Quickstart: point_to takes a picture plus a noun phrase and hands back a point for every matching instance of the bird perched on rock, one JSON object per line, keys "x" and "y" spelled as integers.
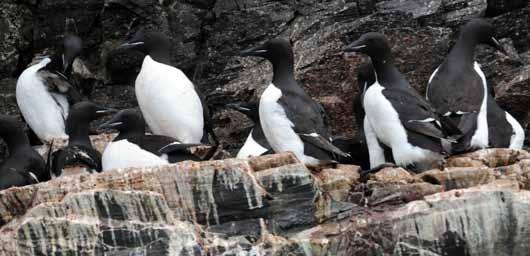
{"x": 24, "y": 165}
{"x": 79, "y": 151}
{"x": 44, "y": 94}
{"x": 459, "y": 92}
{"x": 170, "y": 103}
{"x": 133, "y": 148}
{"x": 356, "y": 146}
{"x": 256, "y": 144}
{"x": 290, "y": 119}
{"x": 396, "y": 115}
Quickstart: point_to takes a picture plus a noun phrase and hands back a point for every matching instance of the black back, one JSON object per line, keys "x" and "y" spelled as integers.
{"x": 79, "y": 151}
{"x": 251, "y": 110}
{"x": 23, "y": 159}
{"x": 409, "y": 105}
{"x": 457, "y": 87}
{"x": 307, "y": 115}
{"x": 499, "y": 129}
{"x": 132, "y": 128}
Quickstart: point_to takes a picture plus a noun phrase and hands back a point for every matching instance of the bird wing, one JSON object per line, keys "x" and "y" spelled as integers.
{"x": 75, "y": 155}
{"x": 58, "y": 83}
{"x": 308, "y": 122}
{"x": 457, "y": 97}
{"x": 415, "y": 113}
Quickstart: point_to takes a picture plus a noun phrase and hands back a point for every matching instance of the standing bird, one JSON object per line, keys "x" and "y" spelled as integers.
{"x": 133, "y": 148}
{"x": 357, "y": 147}
{"x": 24, "y": 165}
{"x": 170, "y": 103}
{"x": 458, "y": 91}
{"x": 290, "y": 119}
{"x": 256, "y": 143}
{"x": 396, "y": 115}
{"x": 44, "y": 94}
{"x": 79, "y": 152}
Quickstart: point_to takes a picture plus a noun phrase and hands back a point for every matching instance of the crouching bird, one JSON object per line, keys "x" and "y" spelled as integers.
{"x": 133, "y": 148}
{"x": 79, "y": 153}
{"x": 24, "y": 166}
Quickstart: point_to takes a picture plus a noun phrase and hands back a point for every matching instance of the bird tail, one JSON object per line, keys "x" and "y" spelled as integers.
{"x": 48, "y": 168}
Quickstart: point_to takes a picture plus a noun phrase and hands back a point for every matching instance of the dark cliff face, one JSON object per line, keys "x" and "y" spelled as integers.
{"x": 206, "y": 34}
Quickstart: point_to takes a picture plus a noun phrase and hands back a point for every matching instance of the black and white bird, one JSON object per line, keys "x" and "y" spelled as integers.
{"x": 170, "y": 103}
{"x": 396, "y": 115}
{"x": 357, "y": 146}
{"x": 79, "y": 152}
{"x": 24, "y": 165}
{"x": 459, "y": 92}
{"x": 290, "y": 119}
{"x": 256, "y": 144}
{"x": 44, "y": 94}
{"x": 133, "y": 148}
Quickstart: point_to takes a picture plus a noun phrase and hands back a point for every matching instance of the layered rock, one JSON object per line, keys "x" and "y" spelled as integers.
{"x": 273, "y": 205}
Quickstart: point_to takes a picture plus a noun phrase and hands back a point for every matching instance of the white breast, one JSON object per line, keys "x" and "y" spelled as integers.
{"x": 517, "y": 139}
{"x": 169, "y": 103}
{"x": 278, "y": 129}
{"x": 481, "y": 137}
{"x": 251, "y": 148}
{"x": 123, "y": 154}
{"x": 38, "y": 106}
{"x": 385, "y": 123}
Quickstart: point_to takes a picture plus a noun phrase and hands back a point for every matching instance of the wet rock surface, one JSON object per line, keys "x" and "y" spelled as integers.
{"x": 478, "y": 204}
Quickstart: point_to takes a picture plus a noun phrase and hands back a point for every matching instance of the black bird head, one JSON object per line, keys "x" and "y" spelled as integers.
{"x": 275, "y": 50}
{"x": 148, "y": 42}
{"x": 372, "y": 44}
{"x": 71, "y": 48}
{"x": 280, "y": 53}
{"x": 251, "y": 110}
{"x": 86, "y": 112}
{"x": 127, "y": 120}
{"x": 479, "y": 31}
{"x": 9, "y": 126}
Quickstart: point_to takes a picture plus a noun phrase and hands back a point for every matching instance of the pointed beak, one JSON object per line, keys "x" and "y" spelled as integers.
{"x": 104, "y": 111}
{"x": 497, "y": 45}
{"x": 237, "y": 106}
{"x": 109, "y": 125}
{"x": 67, "y": 59}
{"x": 254, "y": 51}
{"x": 130, "y": 45}
{"x": 355, "y": 46}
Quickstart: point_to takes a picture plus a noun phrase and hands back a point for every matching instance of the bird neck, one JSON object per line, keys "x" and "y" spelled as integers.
{"x": 78, "y": 134}
{"x": 129, "y": 133}
{"x": 385, "y": 71}
{"x": 464, "y": 49}
{"x": 283, "y": 70}
{"x": 161, "y": 55}
{"x": 17, "y": 142}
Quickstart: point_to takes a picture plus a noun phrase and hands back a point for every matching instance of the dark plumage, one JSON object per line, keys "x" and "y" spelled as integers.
{"x": 389, "y": 97}
{"x": 24, "y": 165}
{"x": 79, "y": 151}
{"x": 131, "y": 127}
{"x": 459, "y": 93}
{"x": 305, "y": 114}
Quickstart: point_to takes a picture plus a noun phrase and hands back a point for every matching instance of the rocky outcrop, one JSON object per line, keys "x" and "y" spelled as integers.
{"x": 273, "y": 205}
{"x": 206, "y": 36}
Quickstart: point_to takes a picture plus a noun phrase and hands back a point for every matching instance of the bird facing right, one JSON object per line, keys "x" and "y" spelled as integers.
{"x": 460, "y": 94}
